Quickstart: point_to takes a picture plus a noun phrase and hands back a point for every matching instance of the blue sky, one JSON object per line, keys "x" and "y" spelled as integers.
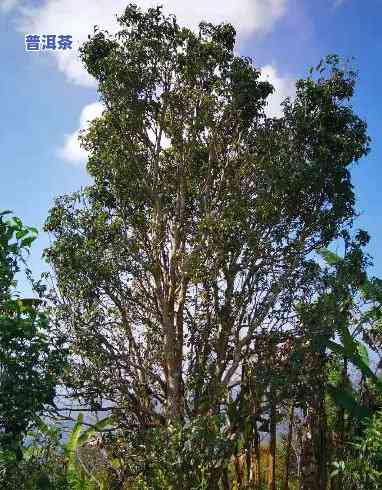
{"x": 43, "y": 95}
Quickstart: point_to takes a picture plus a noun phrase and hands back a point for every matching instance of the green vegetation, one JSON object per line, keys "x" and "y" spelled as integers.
{"x": 31, "y": 360}
{"x": 197, "y": 311}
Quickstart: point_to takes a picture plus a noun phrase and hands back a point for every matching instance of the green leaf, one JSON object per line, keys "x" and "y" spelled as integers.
{"x": 17, "y": 221}
{"x": 353, "y": 356}
{"x": 95, "y": 428}
{"x": 334, "y": 347}
{"x": 348, "y": 341}
{"x": 72, "y": 443}
{"x": 21, "y": 234}
{"x": 363, "y": 353}
{"x": 70, "y": 451}
{"x": 26, "y": 242}
{"x": 330, "y": 257}
{"x": 345, "y": 400}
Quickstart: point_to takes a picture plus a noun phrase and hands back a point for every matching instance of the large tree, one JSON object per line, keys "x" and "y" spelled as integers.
{"x": 196, "y": 235}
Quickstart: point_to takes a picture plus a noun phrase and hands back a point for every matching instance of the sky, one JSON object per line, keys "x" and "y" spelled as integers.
{"x": 47, "y": 96}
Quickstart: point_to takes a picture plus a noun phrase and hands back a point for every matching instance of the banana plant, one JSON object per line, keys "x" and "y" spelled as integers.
{"x": 349, "y": 347}
{"x": 78, "y": 478}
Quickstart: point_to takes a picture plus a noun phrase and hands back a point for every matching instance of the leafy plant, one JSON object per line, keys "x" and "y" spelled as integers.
{"x": 31, "y": 360}
{"x": 362, "y": 469}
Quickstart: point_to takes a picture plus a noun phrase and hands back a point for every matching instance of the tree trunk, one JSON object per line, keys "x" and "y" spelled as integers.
{"x": 249, "y": 465}
{"x": 225, "y": 479}
{"x": 174, "y": 338}
{"x": 257, "y": 461}
{"x": 339, "y": 437}
{"x": 239, "y": 468}
{"x": 344, "y": 383}
{"x": 174, "y": 380}
{"x": 308, "y": 478}
{"x": 289, "y": 447}
{"x": 272, "y": 444}
{"x": 321, "y": 444}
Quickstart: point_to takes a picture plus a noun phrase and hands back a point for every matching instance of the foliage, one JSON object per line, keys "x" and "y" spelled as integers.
{"x": 51, "y": 464}
{"x": 79, "y": 478}
{"x": 350, "y": 347}
{"x": 42, "y": 465}
{"x": 167, "y": 457}
{"x": 362, "y": 470}
{"x": 31, "y": 362}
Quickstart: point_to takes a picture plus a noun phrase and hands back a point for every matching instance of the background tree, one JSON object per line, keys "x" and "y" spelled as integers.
{"x": 30, "y": 361}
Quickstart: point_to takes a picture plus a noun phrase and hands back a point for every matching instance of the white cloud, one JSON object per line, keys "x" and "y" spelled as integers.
{"x": 8, "y": 5}
{"x": 71, "y": 150}
{"x": 283, "y": 87}
{"x": 78, "y": 18}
